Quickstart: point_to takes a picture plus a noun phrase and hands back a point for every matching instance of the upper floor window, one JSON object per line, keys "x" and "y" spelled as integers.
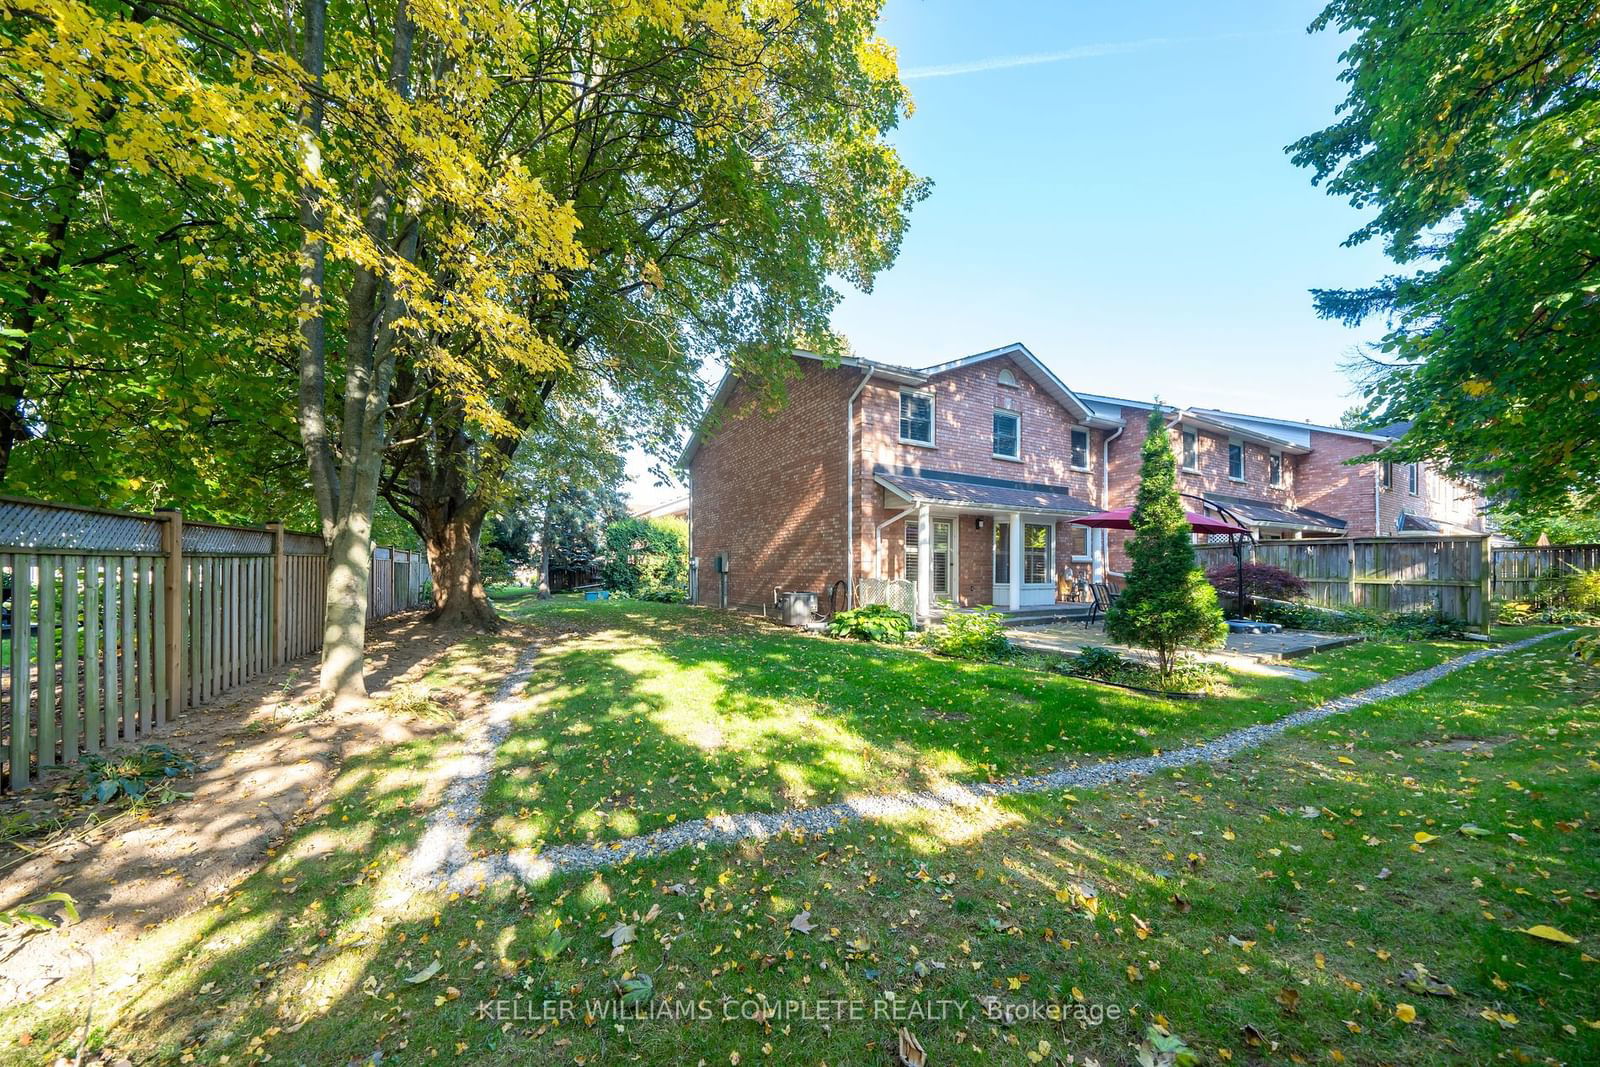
{"x": 1080, "y": 449}
{"x": 916, "y": 418}
{"x": 1236, "y": 461}
{"x": 1191, "y": 450}
{"x": 1006, "y": 378}
{"x": 1275, "y": 468}
{"x": 1386, "y": 475}
{"x": 1007, "y": 435}
{"x": 1413, "y": 478}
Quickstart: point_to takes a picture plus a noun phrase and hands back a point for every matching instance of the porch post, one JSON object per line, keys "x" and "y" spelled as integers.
{"x": 924, "y": 563}
{"x": 1015, "y": 518}
{"x": 1101, "y": 540}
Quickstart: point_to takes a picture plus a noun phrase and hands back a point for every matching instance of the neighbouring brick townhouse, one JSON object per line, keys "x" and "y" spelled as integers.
{"x": 964, "y": 477}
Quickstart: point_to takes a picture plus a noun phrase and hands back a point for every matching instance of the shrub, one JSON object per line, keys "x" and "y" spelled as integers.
{"x": 871, "y": 622}
{"x": 647, "y": 559}
{"x": 1586, "y": 649}
{"x": 1260, "y": 580}
{"x": 1094, "y": 661}
{"x": 1106, "y": 665}
{"x": 976, "y": 635}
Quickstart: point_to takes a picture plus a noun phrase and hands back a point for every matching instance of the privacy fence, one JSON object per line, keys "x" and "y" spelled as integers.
{"x": 1448, "y": 574}
{"x": 1519, "y": 569}
{"x": 113, "y": 623}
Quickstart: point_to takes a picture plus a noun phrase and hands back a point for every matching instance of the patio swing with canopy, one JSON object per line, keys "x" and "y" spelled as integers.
{"x": 1224, "y": 524}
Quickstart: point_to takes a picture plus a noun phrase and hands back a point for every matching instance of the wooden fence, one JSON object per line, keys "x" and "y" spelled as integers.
{"x": 1517, "y": 569}
{"x": 1448, "y": 574}
{"x": 114, "y": 623}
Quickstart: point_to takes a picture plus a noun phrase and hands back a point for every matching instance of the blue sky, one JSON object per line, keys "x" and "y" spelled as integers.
{"x": 1110, "y": 189}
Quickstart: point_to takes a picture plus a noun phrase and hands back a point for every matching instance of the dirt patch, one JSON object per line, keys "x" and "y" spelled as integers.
{"x": 266, "y": 754}
{"x": 947, "y": 714}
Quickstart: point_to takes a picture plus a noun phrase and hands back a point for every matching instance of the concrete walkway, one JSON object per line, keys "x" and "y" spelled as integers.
{"x": 442, "y": 859}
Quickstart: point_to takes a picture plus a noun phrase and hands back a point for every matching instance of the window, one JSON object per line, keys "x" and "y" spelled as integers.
{"x": 1080, "y": 449}
{"x": 1413, "y": 478}
{"x": 1386, "y": 474}
{"x": 1007, "y": 435}
{"x": 911, "y": 551}
{"x": 1191, "y": 451}
{"x": 916, "y": 418}
{"x": 1002, "y": 553}
{"x": 1036, "y": 554}
{"x": 1078, "y": 541}
{"x": 1275, "y": 468}
{"x": 1006, "y": 378}
{"x": 1236, "y": 461}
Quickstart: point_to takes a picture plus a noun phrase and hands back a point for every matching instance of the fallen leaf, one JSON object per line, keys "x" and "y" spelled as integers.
{"x": 911, "y": 1052}
{"x": 426, "y": 973}
{"x": 1550, "y": 933}
{"x": 1405, "y": 1012}
{"x": 801, "y": 924}
{"x": 1422, "y": 837}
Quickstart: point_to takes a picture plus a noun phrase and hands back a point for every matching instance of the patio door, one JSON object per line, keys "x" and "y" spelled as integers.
{"x": 942, "y": 564}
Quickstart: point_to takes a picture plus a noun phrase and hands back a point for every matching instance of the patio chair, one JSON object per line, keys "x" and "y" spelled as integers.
{"x": 1102, "y": 600}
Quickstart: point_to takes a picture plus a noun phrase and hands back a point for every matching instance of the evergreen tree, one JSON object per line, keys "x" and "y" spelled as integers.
{"x": 1167, "y": 604}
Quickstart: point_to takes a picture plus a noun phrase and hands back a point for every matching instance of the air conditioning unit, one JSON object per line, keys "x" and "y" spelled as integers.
{"x": 797, "y": 608}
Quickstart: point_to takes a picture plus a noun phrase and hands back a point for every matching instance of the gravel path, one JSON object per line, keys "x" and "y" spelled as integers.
{"x": 443, "y": 858}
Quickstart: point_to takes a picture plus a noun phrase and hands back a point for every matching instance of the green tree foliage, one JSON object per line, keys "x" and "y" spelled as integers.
{"x": 1470, "y": 130}
{"x": 1167, "y": 604}
{"x": 1567, "y": 527}
{"x": 647, "y": 558}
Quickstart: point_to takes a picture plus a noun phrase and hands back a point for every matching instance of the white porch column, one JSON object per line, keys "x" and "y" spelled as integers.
{"x": 1015, "y": 519}
{"x": 1101, "y": 539}
{"x": 924, "y": 563}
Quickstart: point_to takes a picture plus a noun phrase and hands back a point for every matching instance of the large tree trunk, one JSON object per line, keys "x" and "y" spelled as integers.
{"x": 459, "y": 598}
{"x": 344, "y": 635}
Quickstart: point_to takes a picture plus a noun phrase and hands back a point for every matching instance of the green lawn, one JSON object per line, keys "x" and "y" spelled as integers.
{"x": 645, "y": 714}
{"x": 1267, "y": 910}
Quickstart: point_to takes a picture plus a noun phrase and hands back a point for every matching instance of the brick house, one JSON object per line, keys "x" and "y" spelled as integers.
{"x": 965, "y": 477}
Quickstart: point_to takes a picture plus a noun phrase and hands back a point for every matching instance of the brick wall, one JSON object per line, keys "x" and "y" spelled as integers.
{"x": 768, "y": 489}
{"x": 1330, "y": 485}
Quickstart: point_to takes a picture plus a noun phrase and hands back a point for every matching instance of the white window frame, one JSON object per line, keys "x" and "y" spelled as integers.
{"x": 1049, "y": 554}
{"x": 1088, "y": 544}
{"x": 1234, "y": 443}
{"x": 933, "y": 408}
{"x": 909, "y": 554}
{"x": 1088, "y": 448}
{"x": 1413, "y": 478}
{"x": 1275, "y": 463}
{"x": 1016, "y": 417}
{"x": 1188, "y": 459}
{"x": 1007, "y": 378}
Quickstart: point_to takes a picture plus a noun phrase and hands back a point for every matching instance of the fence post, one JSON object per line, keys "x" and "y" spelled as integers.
{"x": 279, "y": 632}
{"x": 1350, "y": 581}
{"x": 1486, "y": 583}
{"x": 173, "y": 591}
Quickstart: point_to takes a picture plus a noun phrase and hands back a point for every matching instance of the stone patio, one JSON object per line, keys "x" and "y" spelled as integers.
{"x": 1258, "y": 653}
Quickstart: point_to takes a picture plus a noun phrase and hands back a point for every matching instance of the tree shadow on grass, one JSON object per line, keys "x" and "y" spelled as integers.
{"x": 644, "y": 714}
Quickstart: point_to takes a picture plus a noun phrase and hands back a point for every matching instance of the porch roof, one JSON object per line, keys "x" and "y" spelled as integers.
{"x": 981, "y": 494}
{"x": 1265, "y": 513}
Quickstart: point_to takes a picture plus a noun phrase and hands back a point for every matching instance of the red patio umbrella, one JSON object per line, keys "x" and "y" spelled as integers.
{"x": 1122, "y": 519}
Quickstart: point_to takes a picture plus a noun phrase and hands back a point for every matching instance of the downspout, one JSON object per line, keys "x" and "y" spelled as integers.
{"x": 1377, "y": 497}
{"x": 1105, "y": 498}
{"x": 850, "y": 491}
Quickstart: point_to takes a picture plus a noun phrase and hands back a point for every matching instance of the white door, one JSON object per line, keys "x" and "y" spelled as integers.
{"x": 942, "y": 566}
{"x": 1001, "y": 594}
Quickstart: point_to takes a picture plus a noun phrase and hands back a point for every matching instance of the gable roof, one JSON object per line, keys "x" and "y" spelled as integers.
{"x": 1046, "y": 379}
{"x": 1031, "y": 365}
